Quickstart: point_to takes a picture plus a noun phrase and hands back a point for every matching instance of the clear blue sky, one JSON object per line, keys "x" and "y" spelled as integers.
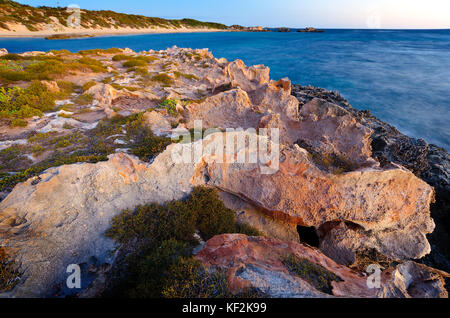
{"x": 291, "y": 13}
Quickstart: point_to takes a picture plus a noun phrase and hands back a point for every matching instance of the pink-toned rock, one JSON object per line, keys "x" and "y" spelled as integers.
{"x": 257, "y": 262}
{"x": 392, "y": 204}
{"x": 230, "y": 109}
{"x": 247, "y": 78}
{"x": 157, "y": 123}
{"x": 52, "y": 86}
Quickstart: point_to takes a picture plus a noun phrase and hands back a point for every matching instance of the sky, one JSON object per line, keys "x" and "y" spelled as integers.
{"x": 363, "y": 14}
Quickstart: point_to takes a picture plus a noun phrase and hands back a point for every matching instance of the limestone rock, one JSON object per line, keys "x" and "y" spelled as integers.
{"x": 60, "y": 218}
{"x": 104, "y": 94}
{"x": 258, "y": 262}
{"x": 230, "y": 109}
{"x": 157, "y": 123}
{"x": 247, "y": 78}
{"x": 52, "y": 86}
{"x": 392, "y": 204}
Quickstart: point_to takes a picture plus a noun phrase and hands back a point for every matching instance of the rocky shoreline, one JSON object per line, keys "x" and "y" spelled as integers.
{"x": 345, "y": 190}
{"x": 427, "y": 161}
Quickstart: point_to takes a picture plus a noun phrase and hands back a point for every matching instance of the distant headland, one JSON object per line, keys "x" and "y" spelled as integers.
{"x": 19, "y": 20}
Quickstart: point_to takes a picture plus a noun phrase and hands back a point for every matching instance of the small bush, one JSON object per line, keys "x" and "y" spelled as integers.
{"x": 134, "y": 63}
{"x": 12, "y": 57}
{"x": 95, "y": 65}
{"x": 67, "y": 88}
{"x": 163, "y": 78}
{"x": 119, "y": 57}
{"x": 315, "y": 274}
{"x": 162, "y": 237}
{"x": 18, "y": 122}
{"x": 187, "y": 76}
{"x": 187, "y": 278}
{"x": 145, "y": 144}
{"x": 88, "y": 85}
{"x": 84, "y": 99}
{"x": 18, "y": 104}
{"x": 171, "y": 106}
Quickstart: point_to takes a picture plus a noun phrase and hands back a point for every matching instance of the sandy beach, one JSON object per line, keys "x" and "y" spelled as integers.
{"x": 21, "y": 31}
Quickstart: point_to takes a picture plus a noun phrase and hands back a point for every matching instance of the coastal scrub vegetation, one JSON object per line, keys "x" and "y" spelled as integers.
{"x": 92, "y": 146}
{"x": 14, "y": 67}
{"x": 163, "y": 78}
{"x": 186, "y": 76}
{"x": 170, "y": 105}
{"x": 162, "y": 238}
{"x": 18, "y": 103}
{"x": 315, "y": 274}
{"x": 35, "y": 18}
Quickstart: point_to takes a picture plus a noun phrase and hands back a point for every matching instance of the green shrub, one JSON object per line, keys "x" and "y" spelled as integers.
{"x": 187, "y": 278}
{"x": 171, "y": 106}
{"x": 95, "y": 65}
{"x": 151, "y": 224}
{"x": 119, "y": 57}
{"x": 84, "y": 99}
{"x": 163, "y": 78}
{"x": 187, "y": 76}
{"x": 18, "y": 122}
{"x": 145, "y": 144}
{"x": 141, "y": 71}
{"x": 17, "y": 103}
{"x": 134, "y": 63}
{"x": 67, "y": 88}
{"x": 315, "y": 274}
{"x": 88, "y": 85}
{"x": 12, "y": 57}
{"x": 162, "y": 237}
{"x": 12, "y": 157}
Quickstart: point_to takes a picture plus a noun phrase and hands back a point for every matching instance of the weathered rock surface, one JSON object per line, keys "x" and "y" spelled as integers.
{"x": 257, "y": 262}
{"x": 392, "y": 204}
{"x": 157, "y": 122}
{"x": 60, "y": 217}
{"x": 334, "y": 174}
{"x": 429, "y": 162}
{"x": 105, "y": 95}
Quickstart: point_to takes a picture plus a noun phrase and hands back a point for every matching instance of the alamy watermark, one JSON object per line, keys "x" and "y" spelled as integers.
{"x": 74, "y": 19}
{"x": 374, "y": 279}
{"x": 74, "y": 279}
{"x": 235, "y": 145}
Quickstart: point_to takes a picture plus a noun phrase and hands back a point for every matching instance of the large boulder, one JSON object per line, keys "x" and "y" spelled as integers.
{"x": 246, "y": 77}
{"x": 260, "y": 263}
{"x": 391, "y": 205}
{"x": 60, "y": 217}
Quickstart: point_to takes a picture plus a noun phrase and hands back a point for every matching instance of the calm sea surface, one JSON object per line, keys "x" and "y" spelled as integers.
{"x": 403, "y": 77}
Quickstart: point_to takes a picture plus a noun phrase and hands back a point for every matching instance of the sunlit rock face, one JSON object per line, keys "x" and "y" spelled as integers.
{"x": 259, "y": 263}
{"x": 319, "y": 173}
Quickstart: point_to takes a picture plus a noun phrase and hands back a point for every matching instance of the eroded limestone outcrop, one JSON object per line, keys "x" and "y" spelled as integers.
{"x": 60, "y": 217}
{"x": 257, "y": 262}
{"x": 325, "y": 177}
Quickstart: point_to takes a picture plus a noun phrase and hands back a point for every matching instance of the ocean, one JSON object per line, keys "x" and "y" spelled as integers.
{"x": 401, "y": 76}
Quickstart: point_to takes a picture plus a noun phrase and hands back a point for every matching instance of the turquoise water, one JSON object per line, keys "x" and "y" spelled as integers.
{"x": 403, "y": 77}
